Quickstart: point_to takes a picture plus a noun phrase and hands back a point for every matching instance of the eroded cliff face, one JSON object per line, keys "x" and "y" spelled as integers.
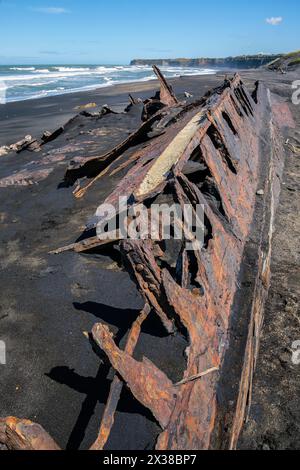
{"x": 241, "y": 62}
{"x": 286, "y": 62}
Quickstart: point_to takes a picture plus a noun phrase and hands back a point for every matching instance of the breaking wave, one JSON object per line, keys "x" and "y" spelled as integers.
{"x": 32, "y": 82}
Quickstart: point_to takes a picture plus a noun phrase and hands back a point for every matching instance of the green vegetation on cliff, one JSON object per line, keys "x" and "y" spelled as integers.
{"x": 286, "y": 62}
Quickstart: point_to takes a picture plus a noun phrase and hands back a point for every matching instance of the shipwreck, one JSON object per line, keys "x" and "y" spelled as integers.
{"x": 225, "y": 152}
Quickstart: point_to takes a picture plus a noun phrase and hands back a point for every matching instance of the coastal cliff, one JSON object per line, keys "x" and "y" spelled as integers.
{"x": 286, "y": 62}
{"x": 240, "y": 62}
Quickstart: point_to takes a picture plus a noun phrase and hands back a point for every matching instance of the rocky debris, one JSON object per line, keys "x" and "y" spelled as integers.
{"x": 156, "y": 116}
{"x": 189, "y": 174}
{"x": 18, "y": 146}
{"x": 294, "y": 147}
{"x": 34, "y": 145}
{"x": 28, "y": 143}
{"x": 25, "y": 177}
{"x": 151, "y": 107}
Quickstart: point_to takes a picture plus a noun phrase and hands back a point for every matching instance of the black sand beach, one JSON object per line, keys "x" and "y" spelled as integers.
{"x": 52, "y": 376}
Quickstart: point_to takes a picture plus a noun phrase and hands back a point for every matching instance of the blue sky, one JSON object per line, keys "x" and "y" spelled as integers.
{"x": 115, "y": 31}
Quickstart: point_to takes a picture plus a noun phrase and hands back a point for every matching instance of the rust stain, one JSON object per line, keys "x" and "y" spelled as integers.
{"x": 22, "y": 434}
{"x": 117, "y": 384}
{"x": 148, "y": 383}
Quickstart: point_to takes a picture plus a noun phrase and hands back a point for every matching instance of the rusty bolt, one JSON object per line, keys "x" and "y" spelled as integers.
{"x": 196, "y": 291}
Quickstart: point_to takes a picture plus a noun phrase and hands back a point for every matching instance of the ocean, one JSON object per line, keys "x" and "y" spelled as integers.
{"x": 20, "y": 82}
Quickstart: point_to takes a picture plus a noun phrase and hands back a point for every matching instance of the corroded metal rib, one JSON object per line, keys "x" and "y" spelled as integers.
{"x": 117, "y": 384}
{"x": 148, "y": 383}
{"x": 167, "y": 95}
{"x": 140, "y": 260}
{"x": 22, "y": 434}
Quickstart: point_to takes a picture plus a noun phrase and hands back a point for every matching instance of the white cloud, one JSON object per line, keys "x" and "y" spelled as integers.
{"x": 51, "y": 10}
{"x": 274, "y": 20}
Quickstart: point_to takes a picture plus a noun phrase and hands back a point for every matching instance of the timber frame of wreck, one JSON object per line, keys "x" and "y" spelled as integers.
{"x": 217, "y": 151}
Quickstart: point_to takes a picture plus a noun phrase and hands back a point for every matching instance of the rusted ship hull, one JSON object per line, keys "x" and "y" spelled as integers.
{"x": 211, "y": 295}
{"x": 226, "y": 136}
